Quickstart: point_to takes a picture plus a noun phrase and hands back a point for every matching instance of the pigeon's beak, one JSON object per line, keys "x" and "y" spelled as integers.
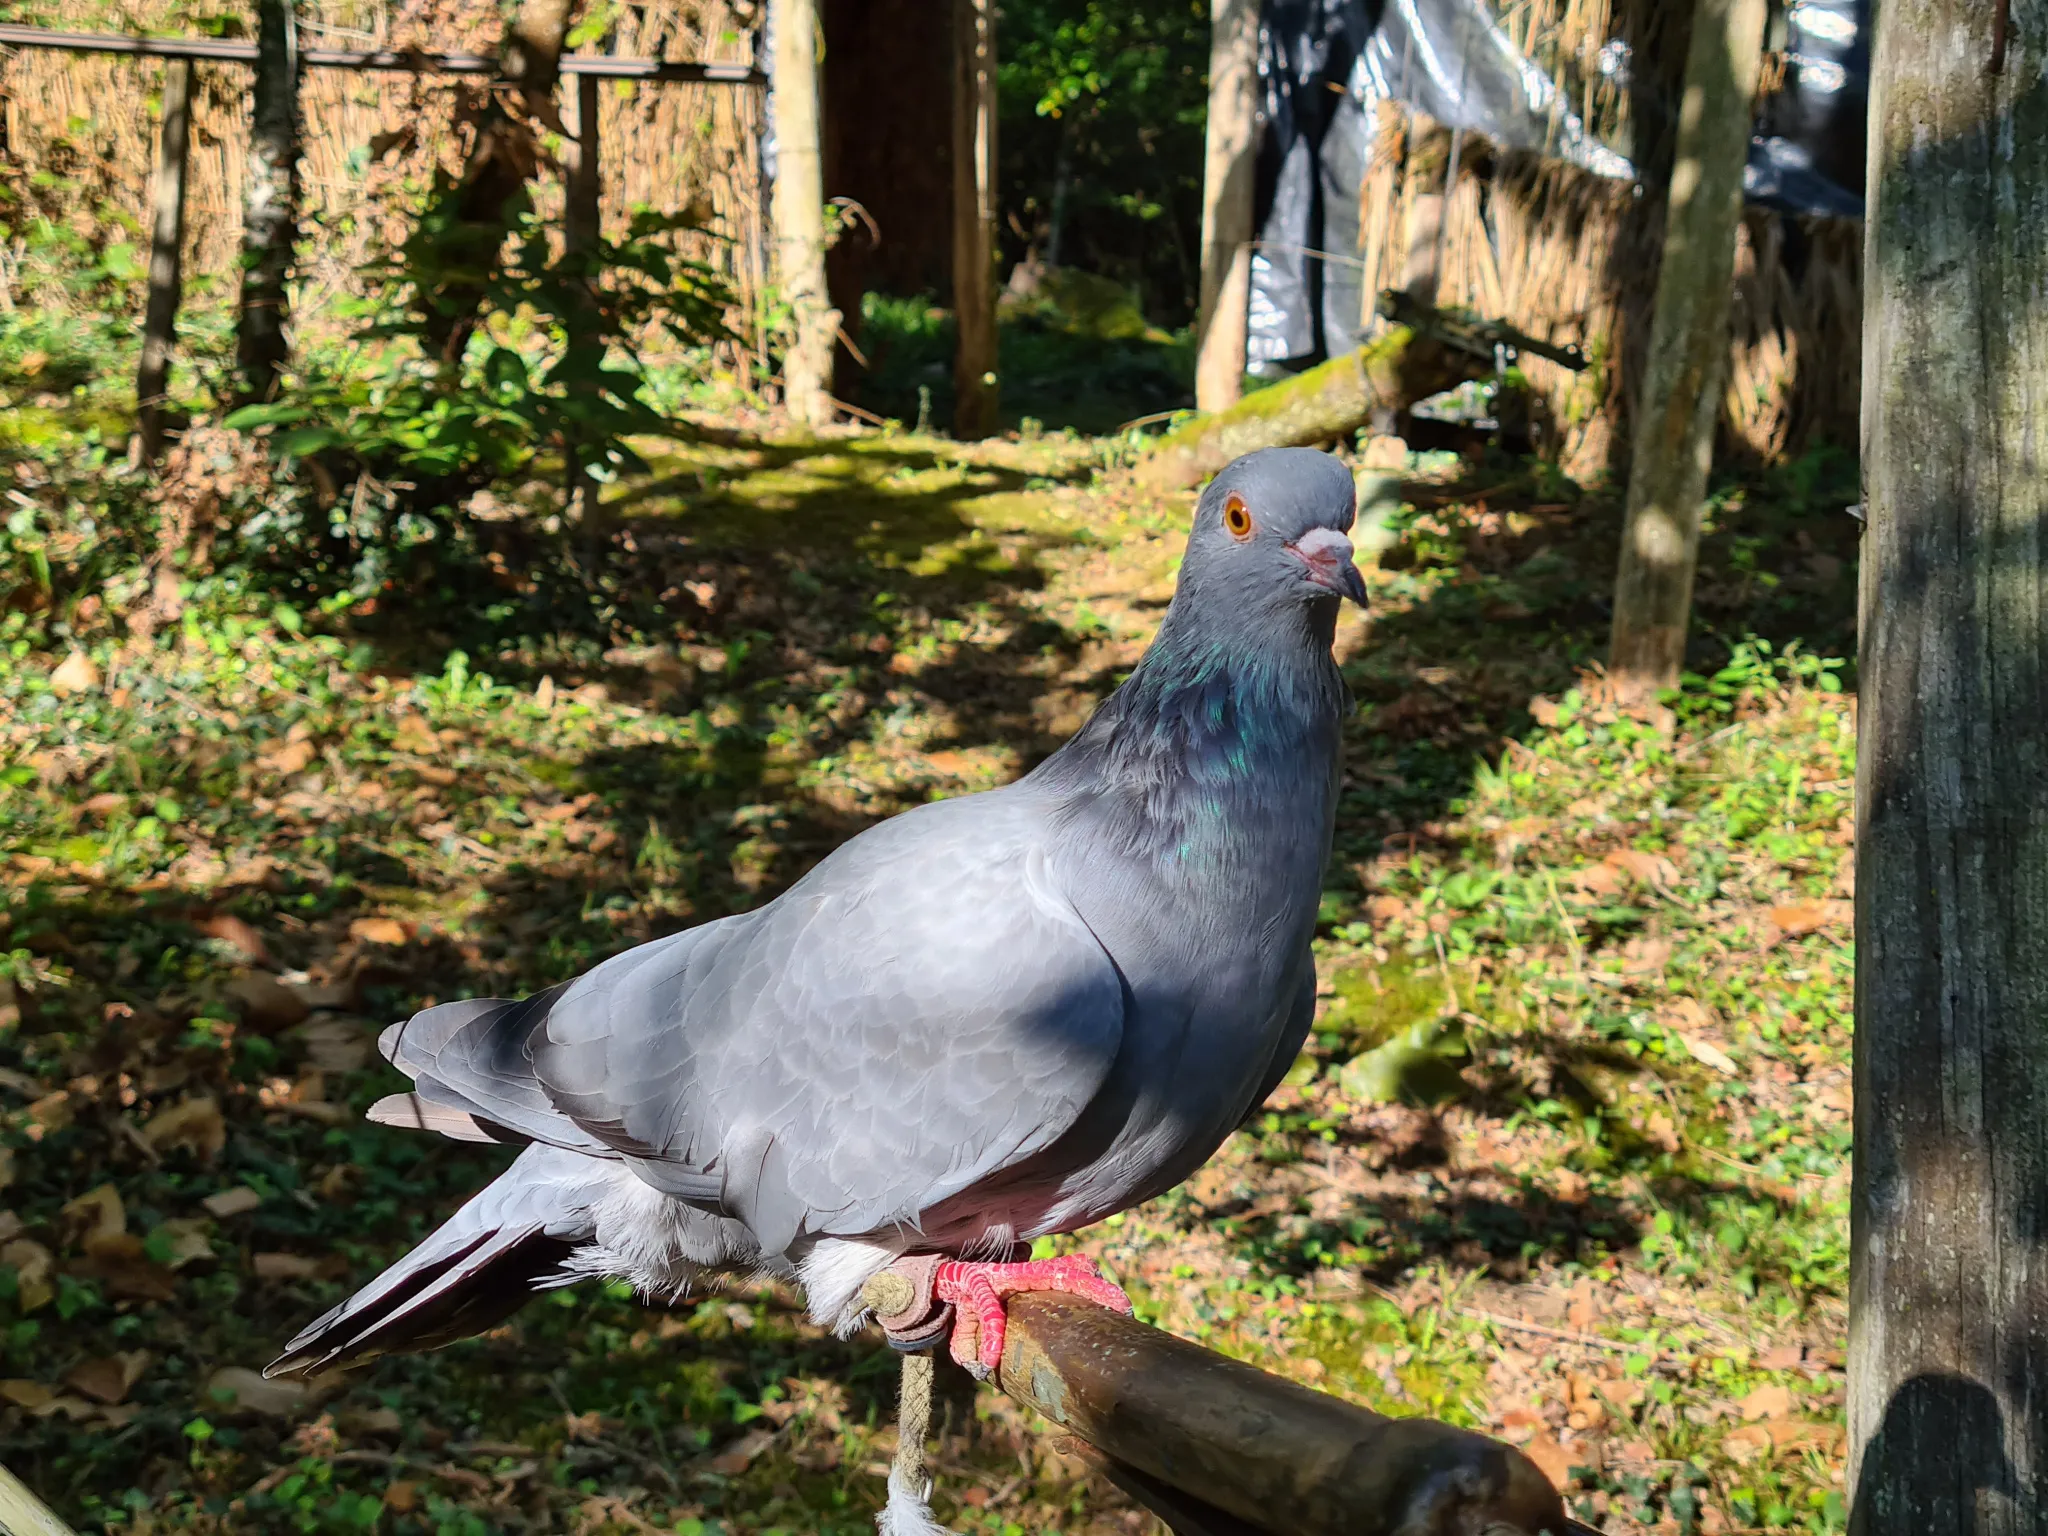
{"x": 1327, "y": 554}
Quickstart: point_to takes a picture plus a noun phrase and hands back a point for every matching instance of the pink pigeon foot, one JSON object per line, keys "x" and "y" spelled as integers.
{"x": 978, "y": 1291}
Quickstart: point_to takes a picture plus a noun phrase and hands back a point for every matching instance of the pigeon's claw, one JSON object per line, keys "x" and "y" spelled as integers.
{"x": 977, "y": 1293}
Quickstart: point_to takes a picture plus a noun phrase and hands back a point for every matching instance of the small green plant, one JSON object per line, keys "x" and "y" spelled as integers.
{"x": 420, "y": 412}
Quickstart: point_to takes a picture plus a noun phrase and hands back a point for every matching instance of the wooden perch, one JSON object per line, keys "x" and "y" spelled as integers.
{"x": 1219, "y": 1448}
{"x": 23, "y": 1514}
{"x": 1425, "y": 351}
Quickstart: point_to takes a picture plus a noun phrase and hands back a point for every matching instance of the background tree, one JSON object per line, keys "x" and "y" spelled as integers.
{"x": 1103, "y": 107}
{"x": 1681, "y": 394}
{"x": 1948, "y": 1355}
{"x": 504, "y": 153}
{"x": 270, "y": 200}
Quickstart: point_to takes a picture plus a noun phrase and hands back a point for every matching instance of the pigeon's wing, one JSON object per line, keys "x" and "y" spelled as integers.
{"x": 920, "y": 1011}
{"x": 1300, "y": 1015}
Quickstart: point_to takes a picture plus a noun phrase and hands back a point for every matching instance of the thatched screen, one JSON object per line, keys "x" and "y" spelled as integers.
{"x": 1569, "y": 256}
{"x": 80, "y": 134}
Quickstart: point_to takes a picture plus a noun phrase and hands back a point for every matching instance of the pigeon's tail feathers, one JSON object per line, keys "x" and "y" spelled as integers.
{"x": 474, "y": 1271}
{"x": 473, "y": 1077}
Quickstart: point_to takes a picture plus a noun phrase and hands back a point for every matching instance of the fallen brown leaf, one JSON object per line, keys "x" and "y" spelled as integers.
{"x": 1746, "y": 1443}
{"x": 378, "y": 930}
{"x": 1802, "y": 917}
{"x": 96, "y": 1221}
{"x": 1651, "y": 869}
{"x": 287, "y": 757}
{"x": 193, "y": 1123}
{"x": 1551, "y": 1459}
{"x": 1769, "y": 1402}
{"x": 239, "y": 1387}
{"x": 33, "y": 1264}
{"x": 52, "y": 1112}
{"x": 232, "y": 1202}
{"x": 74, "y": 674}
{"x": 285, "y": 1266}
{"x": 267, "y": 1003}
{"x": 1784, "y": 1357}
{"x": 230, "y": 929}
{"x": 188, "y": 1239}
{"x": 25, "y": 1394}
{"x": 736, "y": 1457}
{"x": 109, "y": 1378}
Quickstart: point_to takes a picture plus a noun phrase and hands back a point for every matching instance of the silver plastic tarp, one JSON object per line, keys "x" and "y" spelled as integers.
{"x": 1326, "y": 65}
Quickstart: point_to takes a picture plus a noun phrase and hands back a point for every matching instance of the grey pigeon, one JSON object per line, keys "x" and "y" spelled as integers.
{"x": 988, "y": 1019}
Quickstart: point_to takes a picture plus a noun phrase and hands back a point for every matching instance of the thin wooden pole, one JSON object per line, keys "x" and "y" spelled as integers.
{"x": 1230, "y": 146}
{"x": 1948, "y": 1298}
{"x": 1688, "y": 362}
{"x": 1262, "y": 1450}
{"x": 166, "y": 261}
{"x": 798, "y": 209}
{"x": 403, "y": 61}
{"x": 269, "y": 202}
{"x": 582, "y": 230}
{"x": 976, "y": 390}
{"x": 585, "y": 190}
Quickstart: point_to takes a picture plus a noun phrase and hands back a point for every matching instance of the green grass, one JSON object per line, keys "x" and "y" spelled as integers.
{"x": 1598, "y": 963}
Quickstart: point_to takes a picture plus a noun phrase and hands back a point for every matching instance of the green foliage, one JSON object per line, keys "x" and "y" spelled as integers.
{"x": 1103, "y": 104}
{"x": 549, "y": 375}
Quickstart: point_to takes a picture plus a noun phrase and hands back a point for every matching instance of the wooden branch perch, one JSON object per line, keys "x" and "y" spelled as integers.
{"x": 1213, "y": 1444}
{"x": 23, "y": 1514}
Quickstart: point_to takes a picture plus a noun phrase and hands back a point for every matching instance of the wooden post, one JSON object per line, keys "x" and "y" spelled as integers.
{"x": 23, "y": 1514}
{"x": 1230, "y": 142}
{"x": 1948, "y": 1307}
{"x": 270, "y": 200}
{"x": 976, "y": 395}
{"x": 582, "y": 204}
{"x": 584, "y": 194}
{"x": 1256, "y": 1448}
{"x": 1681, "y": 398}
{"x": 166, "y": 261}
{"x": 798, "y": 209}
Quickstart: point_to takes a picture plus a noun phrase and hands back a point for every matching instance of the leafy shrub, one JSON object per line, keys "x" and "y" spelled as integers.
{"x": 398, "y": 429}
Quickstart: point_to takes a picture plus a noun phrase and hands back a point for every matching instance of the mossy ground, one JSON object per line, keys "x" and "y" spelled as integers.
{"x": 1603, "y": 1217}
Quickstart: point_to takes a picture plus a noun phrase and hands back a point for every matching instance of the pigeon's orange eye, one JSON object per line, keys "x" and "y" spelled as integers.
{"x": 1237, "y": 517}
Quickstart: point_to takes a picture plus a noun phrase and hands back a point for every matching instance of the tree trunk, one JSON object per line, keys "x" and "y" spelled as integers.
{"x": 582, "y": 230}
{"x": 166, "y": 261}
{"x": 502, "y": 159}
{"x": 1230, "y": 147}
{"x": 799, "y": 214}
{"x": 270, "y": 202}
{"x": 1688, "y": 361}
{"x": 976, "y": 393}
{"x": 1948, "y": 1331}
{"x": 584, "y": 194}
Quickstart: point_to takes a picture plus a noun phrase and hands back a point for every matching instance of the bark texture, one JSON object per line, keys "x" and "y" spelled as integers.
{"x": 976, "y": 391}
{"x": 1688, "y": 361}
{"x": 166, "y": 260}
{"x": 1230, "y": 153}
{"x": 270, "y": 202}
{"x": 1262, "y": 1450}
{"x": 1948, "y": 1358}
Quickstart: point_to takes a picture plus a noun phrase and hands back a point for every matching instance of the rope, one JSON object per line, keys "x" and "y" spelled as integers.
{"x": 909, "y": 1510}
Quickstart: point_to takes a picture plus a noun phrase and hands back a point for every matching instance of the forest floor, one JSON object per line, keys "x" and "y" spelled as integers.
{"x": 1598, "y": 1208}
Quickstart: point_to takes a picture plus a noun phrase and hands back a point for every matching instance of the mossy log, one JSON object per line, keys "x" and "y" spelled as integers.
{"x": 1330, "y": 401}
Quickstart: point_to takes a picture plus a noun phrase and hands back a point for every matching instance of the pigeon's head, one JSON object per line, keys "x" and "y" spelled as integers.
{"x": 1270, "y": 529}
